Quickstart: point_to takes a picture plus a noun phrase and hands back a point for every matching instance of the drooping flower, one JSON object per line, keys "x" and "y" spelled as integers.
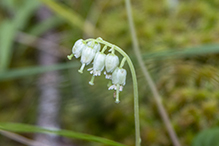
{"x": 96, "y": 46}
{"x": 78, "y": 47}
{"x": 111, "y": 62}
{"x": 87, "y": 56}
{"x": 98, "y": 64}
{"x": 118, "y": 80}
{"x": 119, "y": 76}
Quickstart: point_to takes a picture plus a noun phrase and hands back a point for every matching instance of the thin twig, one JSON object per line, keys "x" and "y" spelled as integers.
{"x": 21, "y": 139}
{"x": 148, "y": 78}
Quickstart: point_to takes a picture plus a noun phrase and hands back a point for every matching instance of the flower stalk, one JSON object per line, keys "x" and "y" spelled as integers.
{"x": 118, "y": 78}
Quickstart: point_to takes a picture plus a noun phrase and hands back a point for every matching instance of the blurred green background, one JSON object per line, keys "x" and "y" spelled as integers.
{"x": 179, "y": 45}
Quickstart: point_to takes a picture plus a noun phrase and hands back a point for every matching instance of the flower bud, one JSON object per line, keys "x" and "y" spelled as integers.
{"x": 119, "y": 76}
{"x": 96, "y": 46}
{"x": 78, "y": 47}
{"x": 111, "y": 62}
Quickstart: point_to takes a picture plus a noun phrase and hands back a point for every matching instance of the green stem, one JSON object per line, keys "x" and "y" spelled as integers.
{"x": 113, "y": 51}
{"x": 136, "y": 103}
{"x": 122, "y": 62}
{"x": 117, "y": 94}
{"x": 82, "y": 68}
{"x": 135, "y": 88}
{"x": 104, "y": 48}
{"x": 92, "y": 80}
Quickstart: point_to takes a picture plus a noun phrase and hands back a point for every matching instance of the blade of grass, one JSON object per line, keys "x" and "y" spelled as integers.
{"x": 7, "y": 34}
{"x": 71, "y": 16}
{"x": 9, "y": 29}
{"x": 156, "y": 95}
{"x": 48, "y": 24}
{"x": 25, "y": 12}
{"x": 17, "y": 73}
{"x": 65, "y": 12}
{"x": 25, "y": 128}
{"x": 189, "y": 52}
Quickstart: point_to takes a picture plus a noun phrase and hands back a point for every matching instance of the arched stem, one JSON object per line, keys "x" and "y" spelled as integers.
{"x": 136, "y": 102}
{"x": 135, "y": 87}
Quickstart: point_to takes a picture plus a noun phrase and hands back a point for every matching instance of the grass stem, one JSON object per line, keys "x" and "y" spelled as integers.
{"x": 148, "y": 78}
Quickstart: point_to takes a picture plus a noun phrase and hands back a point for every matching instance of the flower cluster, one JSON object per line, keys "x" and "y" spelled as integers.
{"x": 89, "y": 50}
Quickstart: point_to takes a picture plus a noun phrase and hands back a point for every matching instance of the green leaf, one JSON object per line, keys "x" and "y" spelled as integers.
{"x": 207, "y": 137}
{"x": 17, "y": 73}
{"x": 7, "y": 34}
{"x": 25, "y": 128}
{"x": 8, "y": 30}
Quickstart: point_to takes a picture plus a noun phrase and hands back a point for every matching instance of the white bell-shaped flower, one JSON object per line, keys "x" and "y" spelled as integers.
{"x": 96, "y": 46}
{"x": 118, "y": 80}
{"x": 98, "y": 64}
{"x": 111, "y": 62}
{"x": 87, "y": 56}
{"x": 78, "y": 47}
{"x": 118, "y": 77}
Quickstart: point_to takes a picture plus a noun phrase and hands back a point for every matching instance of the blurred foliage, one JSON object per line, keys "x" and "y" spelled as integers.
{"x": 207, "y": 137}
{"x": 34, "y": 129}
{"x": 179, "y": 46}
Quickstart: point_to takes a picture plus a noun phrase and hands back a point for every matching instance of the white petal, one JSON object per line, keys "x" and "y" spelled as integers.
{"x": 120, "y": 88}
{"x": 99, "y": 62}
{"x": 119, "y": 76}
{"x": 89, "y": 69}
{"x": 111, "y": 62}
{"x": 78, "y": 47}
{"x": 87, "y": 55}
{"x": 112, "y": 87}
{"x": 96, "y": 46}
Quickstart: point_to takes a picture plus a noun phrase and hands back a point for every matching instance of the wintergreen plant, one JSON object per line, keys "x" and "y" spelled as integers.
{"x": 89, "y": 50}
